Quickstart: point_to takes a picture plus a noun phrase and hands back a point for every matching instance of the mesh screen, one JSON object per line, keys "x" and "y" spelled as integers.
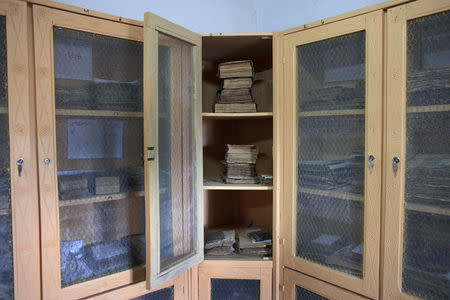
{"x": 99, "y": 139}
{"x": 302, "y": 294}
{"x": 426, "y": 260}
{"x": 176, "y": 149}
{"x": 6, "y": 263}
{"x": 230, "y": 289}
{"x": 330, "y": 150}
{"x": 163, "y": 294}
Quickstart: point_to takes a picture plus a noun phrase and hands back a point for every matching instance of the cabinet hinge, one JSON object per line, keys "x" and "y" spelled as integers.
{"x": 151, "y": 153}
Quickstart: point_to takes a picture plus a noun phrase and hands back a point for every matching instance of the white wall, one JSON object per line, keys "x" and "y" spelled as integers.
{"x": 202, "y": 16}
{"x": 205, "y": 16}
{"x": 283, "y": 14}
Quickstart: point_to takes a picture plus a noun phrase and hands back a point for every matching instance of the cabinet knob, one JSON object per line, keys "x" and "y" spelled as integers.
{"x": 47, "y": 161}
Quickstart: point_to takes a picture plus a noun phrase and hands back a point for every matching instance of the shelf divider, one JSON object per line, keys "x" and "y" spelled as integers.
{"x": 428, "y": 108}
{"x": 430, "y": 209}
{"x": 101, "y": 198}
{"x": 98, "y": 113}
{"x": 324, "y": 113}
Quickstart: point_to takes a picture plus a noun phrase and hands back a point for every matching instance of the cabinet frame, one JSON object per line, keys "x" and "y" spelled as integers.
{"x": 44, "y": 19}
{"x": 22, "y": 143}
{"x": 372, "y": 24}
{"x": 233, "y": 269}
{"x": 395, "y": 140}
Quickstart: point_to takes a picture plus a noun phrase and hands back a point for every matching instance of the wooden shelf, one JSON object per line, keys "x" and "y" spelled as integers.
{"x": 99, "y": 113}
{"x": 334, "y": 194}
{"x": 428, "y": 108}
{"x": 324, "y": 113}
{"x": 5, "y": 212}
{"x": 429, "y": 209}
{"x": 3, "y": 110}
{"x": 225, "y": 116}
{"x": 102, "y": 198}
{"x": 235, "y": 258}
{"x": 217, "y": 185}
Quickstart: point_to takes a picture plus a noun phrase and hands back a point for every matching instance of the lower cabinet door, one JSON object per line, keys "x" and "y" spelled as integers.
{"x": 228, "y": 280}
{"x": 299, "y": 286}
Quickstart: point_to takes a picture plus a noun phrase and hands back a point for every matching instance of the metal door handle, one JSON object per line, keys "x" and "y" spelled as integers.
{"x": 19, "y": 163}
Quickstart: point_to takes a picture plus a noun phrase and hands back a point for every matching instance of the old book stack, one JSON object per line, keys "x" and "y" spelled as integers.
{"x": 235, "y": 95}
{"x": 72, "y": 187}
{"x": 255, "y": 242}
{"x": 240, "y": 162}
{"x": 220, "y": 242}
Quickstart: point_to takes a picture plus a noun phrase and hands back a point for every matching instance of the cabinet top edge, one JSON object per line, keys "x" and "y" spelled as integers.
{"x": 368, "y": 9}
{"x": 85, "y": 11}
{"x": 237, "y": 34}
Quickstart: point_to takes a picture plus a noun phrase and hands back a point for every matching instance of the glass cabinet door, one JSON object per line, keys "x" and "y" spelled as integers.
{"x": 172, "y": 95}
{"x": 333, "y": 88}
{"x": 94, "y": 160}
{"x": 418, "y": 161}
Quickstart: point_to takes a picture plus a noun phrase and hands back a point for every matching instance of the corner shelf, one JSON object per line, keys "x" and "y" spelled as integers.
{"x": 325, "y": 113}
{"x": 102, "y": 198}
{"x": 217, "y": 185}
{"x": 428, "y": 108}
{"x": 99, "y": 113}
{"x": 334, "y": 194}
{"x": 225, "y": 116}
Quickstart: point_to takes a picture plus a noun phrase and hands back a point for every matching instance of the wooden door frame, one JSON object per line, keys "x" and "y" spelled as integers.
{"x": 316, "y": 286}
{"x": 153, "y": 25}
{"x": 44, "y": 19}
{"x": 232, "y": 269}
{"x": 395, "y": 137}
{"x": 373, "y": 25}
{"x": 22, "y": 140}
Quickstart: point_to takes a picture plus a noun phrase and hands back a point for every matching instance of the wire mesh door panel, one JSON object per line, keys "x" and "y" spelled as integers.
{"x": 176, "y": 150}
{"x": 6, "y": 251}
{"x": 228, "y": 289}
{"x": 99, "y": 142}
{"x": 331, "y": 152}
{"x": 426, "y": 240}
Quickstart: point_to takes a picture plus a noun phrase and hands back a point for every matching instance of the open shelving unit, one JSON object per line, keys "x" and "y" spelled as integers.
{"x": 237, "y": 206}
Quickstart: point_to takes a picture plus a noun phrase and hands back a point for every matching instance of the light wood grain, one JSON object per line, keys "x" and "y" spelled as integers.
{"x": 372, "y": 24}
{"x": 293, "y": 279}
{"x": 22, "y": 144}
{"x": 226, "y": 116}
{"x": 259, "y": 270}
{"x": 396, "y": 136}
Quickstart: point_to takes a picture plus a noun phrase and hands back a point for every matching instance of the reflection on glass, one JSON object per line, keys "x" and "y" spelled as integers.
{"x": 426, "y": 259}
{"x": 99, "y": 139}
{"x": 330, "y": 152}
{"x": 176, "y": 149}
{"x": 6, "y": 255}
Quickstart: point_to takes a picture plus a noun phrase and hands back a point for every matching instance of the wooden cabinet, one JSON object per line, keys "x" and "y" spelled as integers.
{"x": 19, "y": 212}
{"x": 417, "y": 171}
{"x": 333, "y": 91}
{"x": 121, "y": 154}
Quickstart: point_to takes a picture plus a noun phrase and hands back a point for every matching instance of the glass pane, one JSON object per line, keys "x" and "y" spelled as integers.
{"x": 164, "y": 294}
{"x": 426, "y": 259}
{"x": 302, "y": 294}
{"x": 330, "y": 151}
{"x": 176, "y": 151}
{"x": 6, "y": 262}
{"x": 99, "y": 139}
{"x": 235, "y": 289}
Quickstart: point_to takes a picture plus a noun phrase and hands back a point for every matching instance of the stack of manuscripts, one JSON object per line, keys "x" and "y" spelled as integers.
{"x": 240, "y": 161}
{"x": 255, "y": 242}
{"x": 235, "y": 95}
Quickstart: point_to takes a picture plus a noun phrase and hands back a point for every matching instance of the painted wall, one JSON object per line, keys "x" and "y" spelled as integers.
{"x": 283, "y": 14}
{"x": 205, "y": 16}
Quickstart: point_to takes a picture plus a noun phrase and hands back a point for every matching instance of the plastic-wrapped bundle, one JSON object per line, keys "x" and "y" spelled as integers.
{"x": 325, "y": 174}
